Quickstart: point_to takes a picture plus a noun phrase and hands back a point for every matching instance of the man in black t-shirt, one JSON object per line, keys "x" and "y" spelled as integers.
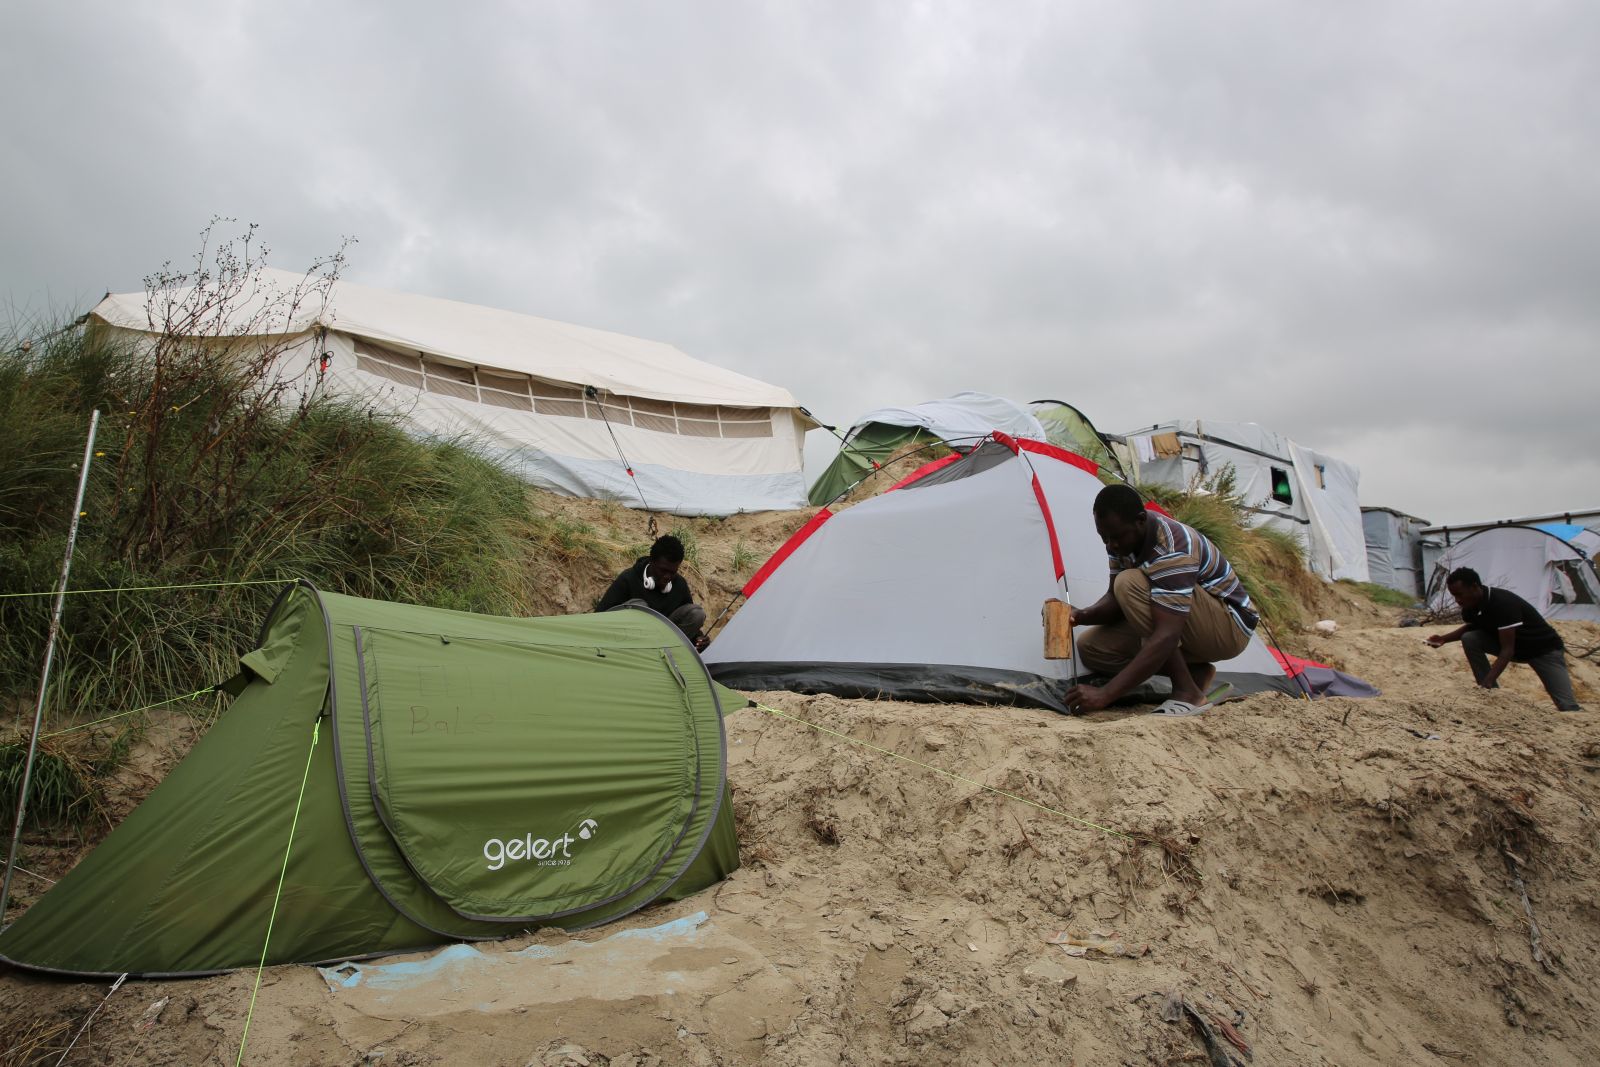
{"x": 1498, "y": 621}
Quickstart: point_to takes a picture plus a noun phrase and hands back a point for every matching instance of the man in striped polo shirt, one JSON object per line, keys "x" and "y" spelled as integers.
{"x": 1175, "y": 607}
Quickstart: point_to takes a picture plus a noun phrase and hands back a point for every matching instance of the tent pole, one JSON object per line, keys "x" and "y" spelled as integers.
{"x": 49, "y": 655}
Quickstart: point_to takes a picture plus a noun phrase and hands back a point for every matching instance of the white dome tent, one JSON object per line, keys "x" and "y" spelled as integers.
{"x": 932, "y": 590}
{"x": 1551, "y": 566}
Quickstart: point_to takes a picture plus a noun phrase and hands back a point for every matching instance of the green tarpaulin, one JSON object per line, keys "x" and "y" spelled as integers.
{"x": 869, "y": 446}
{"x": 473, "y": 776}
{"x": 872, "y": 443}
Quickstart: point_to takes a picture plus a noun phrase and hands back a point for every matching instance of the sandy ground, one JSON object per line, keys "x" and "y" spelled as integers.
{"x": 1339, "y": 882}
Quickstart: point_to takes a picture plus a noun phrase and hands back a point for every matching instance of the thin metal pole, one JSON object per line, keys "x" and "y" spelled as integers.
{"x": 49, "y": 655}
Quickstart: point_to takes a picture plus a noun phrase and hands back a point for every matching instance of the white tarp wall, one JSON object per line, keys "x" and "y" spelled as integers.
{"x": 1324, "y": 511}
{"x": 700, "y": 440}
{"x": 1331, "y": 488}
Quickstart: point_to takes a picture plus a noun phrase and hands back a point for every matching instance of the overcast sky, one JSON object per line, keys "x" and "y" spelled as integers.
{"x": 1372, "y": 226}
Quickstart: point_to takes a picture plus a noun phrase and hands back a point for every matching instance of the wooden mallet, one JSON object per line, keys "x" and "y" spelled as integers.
{"x": 1057, "y": 616}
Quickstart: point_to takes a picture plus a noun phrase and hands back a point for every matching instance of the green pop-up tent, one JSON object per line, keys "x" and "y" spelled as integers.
{"x": 470, "y": 777}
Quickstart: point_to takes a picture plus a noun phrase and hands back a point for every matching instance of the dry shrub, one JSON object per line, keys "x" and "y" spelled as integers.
{"x": 24, "y": 1042}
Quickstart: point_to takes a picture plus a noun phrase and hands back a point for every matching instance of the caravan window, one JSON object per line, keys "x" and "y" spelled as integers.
{"x": 1282, "y": 491}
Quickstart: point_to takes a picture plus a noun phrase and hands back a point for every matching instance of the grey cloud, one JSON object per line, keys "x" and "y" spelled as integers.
{"x": 1368, "y": 224}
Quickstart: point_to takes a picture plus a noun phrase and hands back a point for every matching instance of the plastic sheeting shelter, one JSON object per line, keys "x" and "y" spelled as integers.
{"x": 472, "y": 777}
{"x": 1394, "y": 549}
{"x": 698, "y": 440}
{"x": 1289, "y": 487}
{"x": 1551, "y": 567}
{"x": 932, "y": 591}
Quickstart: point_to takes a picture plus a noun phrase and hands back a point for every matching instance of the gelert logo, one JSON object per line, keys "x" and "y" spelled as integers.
{"x": 541, "y": 851}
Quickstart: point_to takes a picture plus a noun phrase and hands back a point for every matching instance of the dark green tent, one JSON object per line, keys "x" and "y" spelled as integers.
{"x": 472, "y": 777}
{"x": 962, "y": 422}
{"x": 869, "y": 447}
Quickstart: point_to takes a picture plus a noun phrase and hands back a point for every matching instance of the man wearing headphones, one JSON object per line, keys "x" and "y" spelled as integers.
{"x": 654, "y": 582}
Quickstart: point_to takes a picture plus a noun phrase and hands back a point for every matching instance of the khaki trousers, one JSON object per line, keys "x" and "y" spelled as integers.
{"x": 1209, "y": 633}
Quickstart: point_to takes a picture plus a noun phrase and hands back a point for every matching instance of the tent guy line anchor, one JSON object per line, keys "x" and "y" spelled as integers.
{"x": 73, "y": 1043}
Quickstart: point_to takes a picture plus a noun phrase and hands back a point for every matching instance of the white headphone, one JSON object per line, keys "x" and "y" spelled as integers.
{"x": 650, "y": 583}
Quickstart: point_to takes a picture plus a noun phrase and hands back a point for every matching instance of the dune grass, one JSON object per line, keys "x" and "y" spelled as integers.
{"x": 324, "y": 491}
{"x": 1270, "y": 563}
{"x": 1382, "y": 594}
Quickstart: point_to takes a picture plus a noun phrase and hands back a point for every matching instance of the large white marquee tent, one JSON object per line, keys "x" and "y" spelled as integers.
{"x": 580, "y": 411}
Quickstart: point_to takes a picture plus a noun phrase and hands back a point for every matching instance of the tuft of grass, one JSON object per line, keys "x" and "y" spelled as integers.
{"x": 691, "y": 543}
{"x": 558, "y": 551}
{"x": 1381, "y": 594}
{"x": 62, "y": 789}
{"x": 744, "y": 557}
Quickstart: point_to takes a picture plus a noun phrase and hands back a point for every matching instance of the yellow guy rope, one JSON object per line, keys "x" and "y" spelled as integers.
{"x": 135, "y": 711}
{"x": 152, "y": 588}
{"x": 277, "y": 896}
